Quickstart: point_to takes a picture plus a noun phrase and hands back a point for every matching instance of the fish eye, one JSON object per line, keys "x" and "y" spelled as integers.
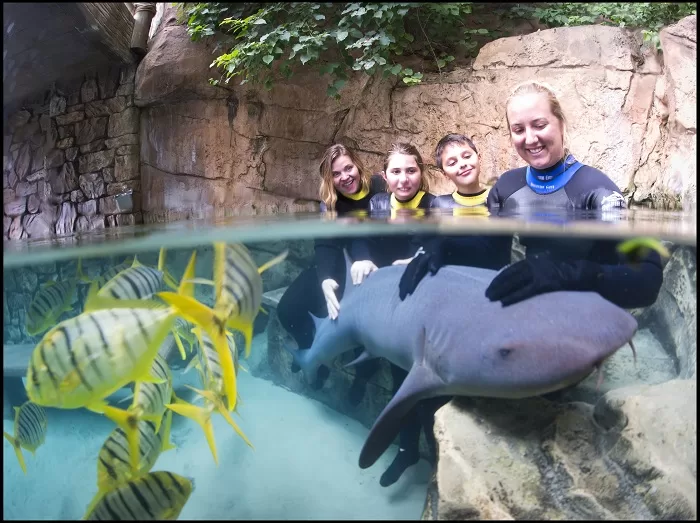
{"x": 504, "y": 353}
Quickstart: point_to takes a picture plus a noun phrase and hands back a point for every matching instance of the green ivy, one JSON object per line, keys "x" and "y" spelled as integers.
{"x": 266, "y": 39}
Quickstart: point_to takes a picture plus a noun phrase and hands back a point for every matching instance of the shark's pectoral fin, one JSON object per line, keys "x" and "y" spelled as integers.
{"x": 365, "y": 356}
{"x": 421, "y": 383}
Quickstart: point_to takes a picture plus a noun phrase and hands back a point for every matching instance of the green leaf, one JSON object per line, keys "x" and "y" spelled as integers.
{"x": 396, "y": 69}
{"x": 260, "y": 21}
{"x": 268, "y": 58}
{"x": 369, "y": 64}
{"x": 285, "y": 36}
{"x": 304, "y": 58}
{"x": 482, "y": 31}
{"x": 319, "y": 17}
{"x": 341, "y": 35}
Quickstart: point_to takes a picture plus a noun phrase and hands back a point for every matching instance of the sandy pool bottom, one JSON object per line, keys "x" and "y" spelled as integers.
{"x": 304, "y": 465}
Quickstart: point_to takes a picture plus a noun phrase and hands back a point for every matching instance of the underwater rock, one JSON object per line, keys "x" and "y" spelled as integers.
{"x": 632, "y": 456}
{"x": 673, "y": 317}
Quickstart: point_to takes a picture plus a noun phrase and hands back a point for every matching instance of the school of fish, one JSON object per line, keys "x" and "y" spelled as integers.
{"x": 115, "y": 342}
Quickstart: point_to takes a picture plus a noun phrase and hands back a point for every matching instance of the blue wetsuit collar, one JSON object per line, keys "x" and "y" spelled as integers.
{"x": 546, "y": 181}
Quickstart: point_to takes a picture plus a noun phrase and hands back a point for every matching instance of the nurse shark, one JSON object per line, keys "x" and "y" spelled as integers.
{"x": 453, "y": 341}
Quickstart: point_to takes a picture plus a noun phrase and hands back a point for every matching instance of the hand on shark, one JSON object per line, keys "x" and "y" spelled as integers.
{"x": 329, "y": 286}
{"x": 429, "y": 260}
{"x": 360, "y": 270}
{"x": 537, "y": 275}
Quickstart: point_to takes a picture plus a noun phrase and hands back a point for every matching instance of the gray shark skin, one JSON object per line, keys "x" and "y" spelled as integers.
{"x": 453, "y": 341}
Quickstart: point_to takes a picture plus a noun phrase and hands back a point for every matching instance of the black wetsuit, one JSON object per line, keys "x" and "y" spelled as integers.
{"x": 304, "y": 295}
{"x": 596, "y": 263}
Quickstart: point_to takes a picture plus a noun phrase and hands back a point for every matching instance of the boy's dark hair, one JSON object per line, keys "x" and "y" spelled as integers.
{"x": 450, "y": 139}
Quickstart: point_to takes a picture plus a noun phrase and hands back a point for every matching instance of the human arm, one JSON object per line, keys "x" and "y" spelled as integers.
{"x": 624, "y": 284}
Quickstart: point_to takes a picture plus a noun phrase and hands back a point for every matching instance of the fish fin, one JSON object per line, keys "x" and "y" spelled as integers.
{"x": 209, "y": 320}
{"x": 79, "y": 274}
{"x": 219, "y": 269}
{"x": 365, "y": 356}
{"x": 186, "y": 288}
{"x": 48, "y": 283}
{"x": 193, "y": 364}
{"x": 201, "y": 281}
{"x": 421, "y": 383}
{"x": 227, "y": 417}
{"x": 98, "y": 497}
{"x": 167, "y": 444}
{"x": 202, "y": 417}
{"x": 317, "y": 321}
{"x": 245, "y": 327}
{"x": 274, "y": 261}
{"x": 180, "y": 347}
{"x": 149, "y": 378}
{"x": 136, "y": 262}
{"x": 127, "y": 398}
{"x": 128, "y": 422}
{"x": 261, "y": 309}
{"x": 244, "y": 370}
{"x": 18, "y": 450}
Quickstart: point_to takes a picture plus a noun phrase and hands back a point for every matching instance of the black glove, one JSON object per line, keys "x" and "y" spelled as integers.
{"x": 537, "y": 275}
{"x": 430, "y": 260}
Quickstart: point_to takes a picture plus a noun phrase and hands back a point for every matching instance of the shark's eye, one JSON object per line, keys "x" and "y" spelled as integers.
{"x": 504, "y": 353}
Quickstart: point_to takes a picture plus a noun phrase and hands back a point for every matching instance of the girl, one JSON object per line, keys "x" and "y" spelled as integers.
{"x": 346, "y": 187}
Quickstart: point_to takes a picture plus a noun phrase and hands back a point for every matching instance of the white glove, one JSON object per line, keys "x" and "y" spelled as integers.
{"x": 360, "y": 270}
{"x": 329, "y": 287}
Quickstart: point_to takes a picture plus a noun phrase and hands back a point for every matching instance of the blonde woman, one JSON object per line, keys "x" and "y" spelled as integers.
{"x": 346, "y": 187}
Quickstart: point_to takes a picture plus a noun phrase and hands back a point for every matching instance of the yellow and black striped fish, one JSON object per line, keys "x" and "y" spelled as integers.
{"x": 114, "y": 463}
{"x": 30, "y": 430}
{"x": 202, "y": 415}
{"x": 154, "y": 496}
{"x": 148, "y": 404}
{"x": 110, "y": 273}
{"x": 49, "y": 303}
{"x": 84, "y": 359}
{"x": 138, "y": 282}
{"x": 214, "y": 393}
{"x": 210, "y": 363}
{"x": 238, "y": 295}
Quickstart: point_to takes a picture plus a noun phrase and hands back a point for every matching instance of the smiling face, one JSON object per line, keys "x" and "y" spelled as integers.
{"x": 460, "y": 163}
{"x": 346, "y": 175}
{"x": 403, "y": 176}
{"x": 537, "y": 134}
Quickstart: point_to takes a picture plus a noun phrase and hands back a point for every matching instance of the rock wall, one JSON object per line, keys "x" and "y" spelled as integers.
{"x": 235, "y": 149}
{"x": 71, "y": 158}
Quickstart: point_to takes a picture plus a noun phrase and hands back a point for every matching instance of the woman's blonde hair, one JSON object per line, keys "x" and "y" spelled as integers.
{"x": 533, "y": 86}
{"x": 327, "y": 191}
{"x": 409, "y": 150}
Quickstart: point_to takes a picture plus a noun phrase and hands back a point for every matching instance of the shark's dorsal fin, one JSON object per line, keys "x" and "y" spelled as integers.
{"x": 421, "y": 383}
